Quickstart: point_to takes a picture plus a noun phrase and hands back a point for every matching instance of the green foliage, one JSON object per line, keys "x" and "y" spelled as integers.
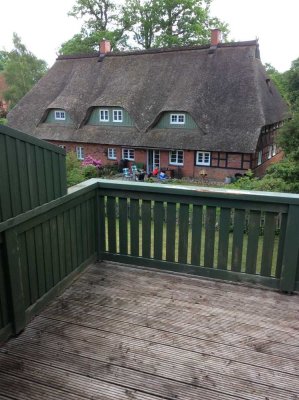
{"x": 21, "y": 71}
{"x": 288, "y": 138}
{"x": 279, "y": 80}
{"x": 90, "y": 171}
{"x": 3, "y": 121}
{"x": 3, "y": 58}
{"x": 74, "y": 172}
{"x": 292, "y": 84}
{"x": 147, "y": 23}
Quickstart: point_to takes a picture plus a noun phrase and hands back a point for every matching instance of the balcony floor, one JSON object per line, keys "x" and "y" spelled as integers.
{"x": 125, "y": 333}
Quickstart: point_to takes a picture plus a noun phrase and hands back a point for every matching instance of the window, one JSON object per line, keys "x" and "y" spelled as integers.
{"x": 270, "y": 152}
{"x": 117, "y": 115}
{"x": 60, "y": 115}
{"x": 274, "y": 150}
{"x": 104, "y": 115}
{"x": 129, "y": 154}
{"x": 177, "y": 119}
{"x": 111, "y": 154}
{"x": 259, "y": 157}
{"x": 176, "y": 157}
{"x": 203, "y": 158}
{"x": 80, "y": 153}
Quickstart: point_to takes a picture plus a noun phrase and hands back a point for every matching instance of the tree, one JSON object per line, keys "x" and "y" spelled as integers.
{"x": 278, "y": 79}
{"x": 292, "y": 84}
{"x": 3, "y": 58}
{"x": 165, "y": 23}
{"x": 100, "y": 21}
{"x": 146, "y": 23}
{"x": 22, "y": 70}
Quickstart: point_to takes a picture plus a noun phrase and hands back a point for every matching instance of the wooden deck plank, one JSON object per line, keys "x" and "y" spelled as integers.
{"x": 128, "y": 333}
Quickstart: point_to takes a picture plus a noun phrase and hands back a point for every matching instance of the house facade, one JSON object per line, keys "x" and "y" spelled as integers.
{"x": 185, "y": 109}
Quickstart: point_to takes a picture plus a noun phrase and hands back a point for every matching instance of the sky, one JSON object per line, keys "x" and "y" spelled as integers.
{"x": 44, "y": 25}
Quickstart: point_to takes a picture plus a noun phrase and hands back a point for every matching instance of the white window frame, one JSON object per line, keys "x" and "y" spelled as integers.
{"x": 62, "y": 146}
{"x": 80, "y": 153}
{"x": 204, "y": 154}
{"x": 270, "y": 152}
{"x": 59, "y": 115}
{"x": 119, "y": 115}
{"x": 177, "y": 117}
{"x": 259, "y": 157}
{"x": 105, "y": 113}
{"x": 176, "y": 162}
{"x": 130, "y": 154}
{"x": 274, "y": 150}
{"x": 111, "y": 153}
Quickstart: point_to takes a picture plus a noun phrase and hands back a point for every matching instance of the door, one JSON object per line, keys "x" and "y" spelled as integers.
{"x": 153, "y": 160}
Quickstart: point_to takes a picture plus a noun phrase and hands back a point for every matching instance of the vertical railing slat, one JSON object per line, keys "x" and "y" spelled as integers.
{"x": 100, "y": 227}
{"x": 54, "y": 248}
{"x": 74, "y": 249}
{"x": 48, "y": 255}
{"x": 253, "y": 241}
{"x": 238, "y": 239}
{"x": 23, "y": 174}
{"x": 282, "y": 234}
{"x": 32, "y": 266}
{"x": 290, "y": 252}
{"x": 196, "y": 235}
{"x": 170, "y": 231}
{"x": 41, "y": 181}
{"x": 79, "y": 234}
{"x": 183, "y": 233}
{"x": 146, "y": 228}
{"x": 40, "y": 263}
{"x": 224, "y": 228}
{"x": 111, "y": 220}
{"x": 210, "y": 223}
{"x": 123, "y": 225}
{"x": 61, "y": 246}
{"x": 268, "y": 244}
{"x": 158, "y": 229}
{"x": 134, "y": 226}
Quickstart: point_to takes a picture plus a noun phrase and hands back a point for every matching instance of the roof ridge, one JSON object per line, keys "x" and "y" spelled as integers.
{"x": 158, "y": 50}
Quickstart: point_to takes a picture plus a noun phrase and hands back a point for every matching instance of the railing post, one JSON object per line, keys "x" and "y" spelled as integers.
{"x": 15, "y": 280}
{"x": 290, "y": 251}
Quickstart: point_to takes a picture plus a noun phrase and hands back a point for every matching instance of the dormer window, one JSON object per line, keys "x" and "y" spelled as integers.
{"x": 59, "y": 115}
{"x": 177, "y": 119}
{"x": 104, "y": 115}
{"x": 117, "y": 115}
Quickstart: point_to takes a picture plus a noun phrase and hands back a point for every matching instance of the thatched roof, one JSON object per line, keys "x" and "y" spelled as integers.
{"x": 225, "y": 91}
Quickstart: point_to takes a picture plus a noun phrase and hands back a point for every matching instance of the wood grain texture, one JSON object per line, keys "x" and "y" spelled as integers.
{"x": 127, "y": 333}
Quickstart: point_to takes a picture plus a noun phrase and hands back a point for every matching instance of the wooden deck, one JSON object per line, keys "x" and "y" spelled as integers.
{"x": 128, "y": 333}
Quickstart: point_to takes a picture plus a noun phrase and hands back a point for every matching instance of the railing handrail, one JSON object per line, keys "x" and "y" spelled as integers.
{"x": 201, "y": 191}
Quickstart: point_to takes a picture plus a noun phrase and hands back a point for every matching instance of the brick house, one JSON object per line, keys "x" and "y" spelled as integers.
{"x": 206, "y": 107}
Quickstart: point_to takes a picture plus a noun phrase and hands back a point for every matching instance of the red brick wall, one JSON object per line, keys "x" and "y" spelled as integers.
{"x": 261, "y": 169}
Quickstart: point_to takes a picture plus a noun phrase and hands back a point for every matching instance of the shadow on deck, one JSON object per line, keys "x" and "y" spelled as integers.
{"x": 127, "y": 333}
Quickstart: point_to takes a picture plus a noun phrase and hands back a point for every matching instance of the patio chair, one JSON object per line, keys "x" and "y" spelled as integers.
{"x": 126, "y": 174}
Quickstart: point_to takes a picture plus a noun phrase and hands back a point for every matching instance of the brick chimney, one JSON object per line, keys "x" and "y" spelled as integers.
{"x": 105, "y": 46}
{"x": 216, "y": 37}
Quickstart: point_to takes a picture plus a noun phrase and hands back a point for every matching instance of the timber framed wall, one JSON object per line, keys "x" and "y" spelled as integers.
{"x": 32, "y": 172}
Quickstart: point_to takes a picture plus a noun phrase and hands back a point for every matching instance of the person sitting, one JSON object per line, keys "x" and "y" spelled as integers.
{"x": 155, "y": 171}
{"x": 141, "y": 175}
{"x": 163, "y": 175}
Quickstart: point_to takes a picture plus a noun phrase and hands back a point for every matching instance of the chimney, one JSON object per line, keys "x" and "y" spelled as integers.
{"x": 216, "y": 37}
{"x": 105, "y": 46}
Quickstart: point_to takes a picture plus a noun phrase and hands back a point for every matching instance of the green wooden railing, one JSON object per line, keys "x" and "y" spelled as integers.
{"x": 41, "y": 251}
{"x": 32, "y": 172}
{"x": 236, "y": 236}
